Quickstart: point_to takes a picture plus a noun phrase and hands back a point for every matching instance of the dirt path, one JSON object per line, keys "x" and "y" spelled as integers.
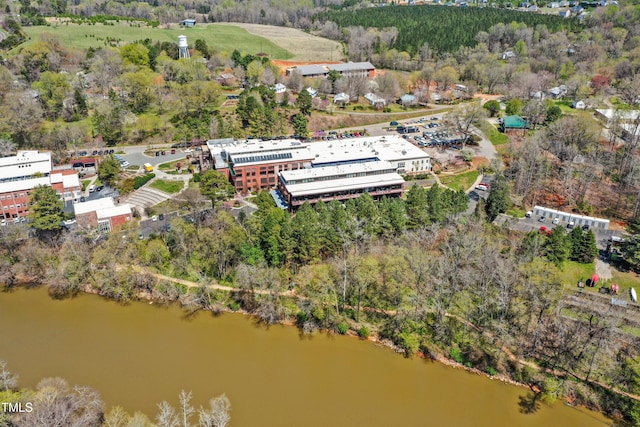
{"x": 603, "y": 270}
{"x": 488, "y": 334}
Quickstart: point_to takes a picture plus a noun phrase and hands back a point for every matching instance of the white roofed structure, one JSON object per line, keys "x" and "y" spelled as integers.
{"x": 338, "y": 182}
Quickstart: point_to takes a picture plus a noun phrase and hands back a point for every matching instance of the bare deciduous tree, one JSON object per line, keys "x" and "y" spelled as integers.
{"x": 8, "y": 381}
{"x": 217, "y": 415}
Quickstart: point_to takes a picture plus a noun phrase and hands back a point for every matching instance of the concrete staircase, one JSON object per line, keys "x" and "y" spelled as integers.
{"x": 145, "y": 197}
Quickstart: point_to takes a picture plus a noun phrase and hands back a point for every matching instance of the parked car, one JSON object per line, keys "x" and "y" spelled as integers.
{"x": 481, "y": 187}
{"x": 570, "y": 224}
{"x": 555, "y": 221}
{"x": 125, "y": 164}
{"x": 92, "y": 188}
{"x": 161, "y": 217}
{"x": 585, "y": 227}
{"x": 3, "y": 222}
{"x": 154, "y": 218}
{"x": 542, "y": 219}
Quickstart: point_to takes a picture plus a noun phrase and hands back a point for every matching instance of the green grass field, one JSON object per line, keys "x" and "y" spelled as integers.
{"x": 516, "y": 212}
{"x": 461, "y": 181}
{"x": 220, "y": 36}
{"x": 494, "y": 135}
{"x": 170, "y": 166}
{"x": 167, "y": 186}
{"x": 572, "y": 272}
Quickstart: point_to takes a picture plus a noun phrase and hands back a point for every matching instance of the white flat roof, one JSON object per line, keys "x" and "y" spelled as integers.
{"x": 610, "y": 113}
{"x": 23, "y": 184}
{"x": 114, "y": 211}
{"x": 71, "y": 180}
{"x": 571, "y": 214}
{"x": 342, "y": 184}
{"x": 329, "y": 171}
{"x": 388, "y": 148}
{"x": 93, "y": 205}
{"x": 24, "y": 157}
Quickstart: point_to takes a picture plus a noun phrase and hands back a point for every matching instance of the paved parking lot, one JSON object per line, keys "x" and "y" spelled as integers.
{"x": 530, "y": 224}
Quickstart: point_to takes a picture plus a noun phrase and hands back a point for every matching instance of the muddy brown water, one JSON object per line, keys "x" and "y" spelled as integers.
{"x": 140, "y": 354}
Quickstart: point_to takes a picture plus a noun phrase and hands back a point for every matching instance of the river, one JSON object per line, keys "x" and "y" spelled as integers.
{"x": 140, "y": 354}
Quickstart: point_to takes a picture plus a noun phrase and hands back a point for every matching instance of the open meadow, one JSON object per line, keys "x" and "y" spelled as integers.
{"x": 220, "y": 36}
{"x": 304, "y": 46}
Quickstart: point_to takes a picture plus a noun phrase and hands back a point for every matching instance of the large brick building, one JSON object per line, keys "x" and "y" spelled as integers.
{"x": 21, "y": 173}
{"x": 337, "y": 182}
{"x": 256, "y": 165}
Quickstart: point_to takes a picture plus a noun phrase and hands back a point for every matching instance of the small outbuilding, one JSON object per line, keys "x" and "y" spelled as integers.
{"x": 188, "y": 23}
{"x": 513, "y": 122}
{"x": 408, "y": 99}
{"x": 579, "y": 105}
{"x": 375, "y": 100}
{"x": 341, "y": 98}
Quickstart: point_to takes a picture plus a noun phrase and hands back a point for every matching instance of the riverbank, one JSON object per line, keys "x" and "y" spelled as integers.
{"x": 139, "y": 354}
{"x": 351, "y": 333}
{"x": 224, "y": 306}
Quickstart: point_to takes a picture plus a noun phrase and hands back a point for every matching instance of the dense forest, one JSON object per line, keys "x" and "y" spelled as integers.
{"x": 444, "y": 29}
{"x": 416, "y": 273}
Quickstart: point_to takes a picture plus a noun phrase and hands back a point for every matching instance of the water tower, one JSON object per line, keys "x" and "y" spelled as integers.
{"x": 183, "y": 47}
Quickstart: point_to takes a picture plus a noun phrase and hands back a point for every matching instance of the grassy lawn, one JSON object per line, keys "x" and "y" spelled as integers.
{"x": 565, "y": 106}
{"x": 572, "y": 272}
{"x": 169, "y": 166}
{"x": 461, "y": 181}
{"x": 516, "y": 212}
{"x": 626, "y": 280}
{"x": 494, "y": 135}
{"x": 170, "y": 187}
{"x": 85, "y": 184}
{"x": 219, "y": 36}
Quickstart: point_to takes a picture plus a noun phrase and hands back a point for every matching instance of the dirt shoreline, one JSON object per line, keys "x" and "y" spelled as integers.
{"x": 440, "y": 358}
{"x": 374, "y": 339}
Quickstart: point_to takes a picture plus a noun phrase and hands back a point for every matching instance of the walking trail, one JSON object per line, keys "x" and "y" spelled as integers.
{"x": 506, "y": 350}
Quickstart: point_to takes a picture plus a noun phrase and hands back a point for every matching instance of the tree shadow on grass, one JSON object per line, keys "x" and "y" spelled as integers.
{"x": 530, "y": 403}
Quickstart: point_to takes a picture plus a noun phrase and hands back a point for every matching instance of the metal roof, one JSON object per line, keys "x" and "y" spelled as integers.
{"x": 352, "y": 66}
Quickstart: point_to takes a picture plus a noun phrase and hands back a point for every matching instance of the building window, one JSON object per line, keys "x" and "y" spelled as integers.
{"x": 21, "y": 194}
{"x": 400, "y": 165}
{"x": 1, "y": 197}
{"x": 18, "y": 206}
{"x": 10, "y": 206}
{"x": 8, "y": 196}
{"x": 6, "y": 208}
